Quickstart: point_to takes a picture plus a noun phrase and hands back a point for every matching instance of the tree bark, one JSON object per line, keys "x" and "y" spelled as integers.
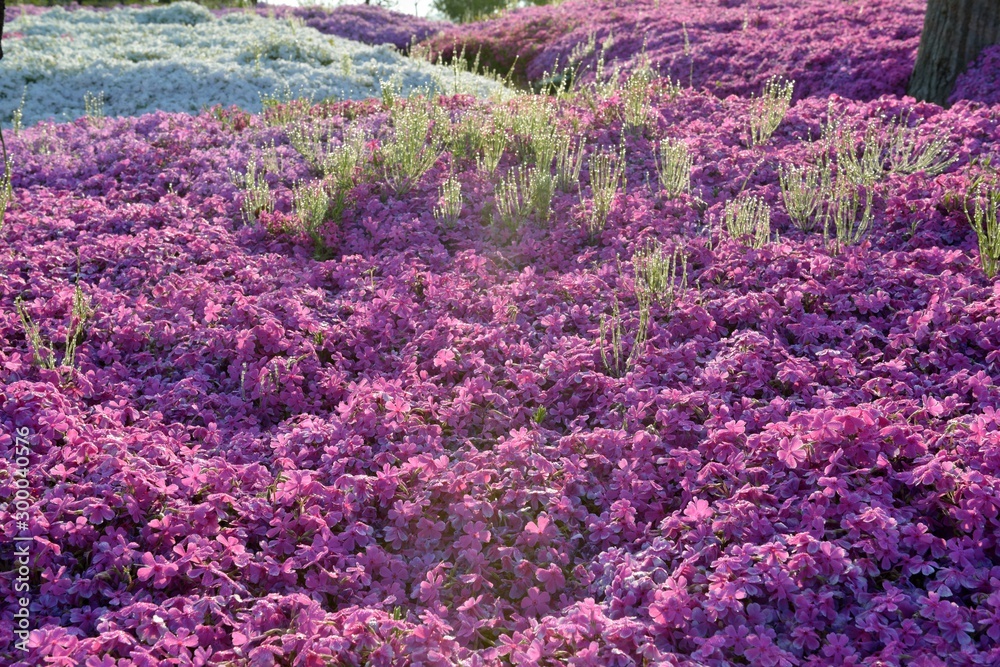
{"x": 955, "y": 31}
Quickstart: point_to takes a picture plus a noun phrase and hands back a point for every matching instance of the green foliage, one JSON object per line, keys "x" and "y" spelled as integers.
{"x": 468, "y": 136}
{"x": 605, "y": 83}
{"x": 862, "y": 167}
{"x": 342, "y": 161}
{"x": 616, "y": 362}
{"x": 257, "y": 195}
{"x": 18, "y": 113}
{"x": 408, "y": 155}
{"x": 983, "y": 218}
{"x": 541, "y": 185}
{"x": 391, "y": 91}
{"x": 562, "y": 83}
{"x": 907, "y": 152}
{"x": 532, "y": 124}
{"x": 539, "y": 416}
{"x": 309, "y": 140}
{"x": 895, "y": 148}
{"x": 494, "y": 144}
{"x": 279, "y": 109}
{"x": 848, "y": 213}
{"x": 804, "y": 190}
{"x": 311, "y": 203}
{"x": 569, "y": 160}
{"x": 513, "y": 198}
{"x": 841, "y": 204}
{"x": 748, "y": 219}
{"x": 450, "y": 198}
{"x": 769, "y": 110}
{"x": 6, "y": 187}
{"x": 544, "y": 145}
{"x": 657, "y": 272}
{"x": 606, "y": 172}
{"x": 464, "y": 11}
{"x": 636, "y": 110}
{"x": 44, "y": 352}
{"x": 93, "y": 108}
{"x": 674, "y": 167}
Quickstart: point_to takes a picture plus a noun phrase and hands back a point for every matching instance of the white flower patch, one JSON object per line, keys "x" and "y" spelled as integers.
{"x": 182, "y": 58}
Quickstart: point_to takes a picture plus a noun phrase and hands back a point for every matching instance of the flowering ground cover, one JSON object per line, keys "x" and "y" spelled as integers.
{"x": 182, "y": 58}
{"x": 368, "y": 24}
{"x": 856, "y": 50}
{"x": 980, "y": 81}
{"x": 455, "y": 418}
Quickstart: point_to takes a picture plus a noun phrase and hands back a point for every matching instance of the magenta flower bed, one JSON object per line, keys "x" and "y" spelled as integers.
{"x": 370, "y": 24}
{"x": 412, "y": 453}
{"x": 981, "y": 81}
{"x": 860, "y": 50}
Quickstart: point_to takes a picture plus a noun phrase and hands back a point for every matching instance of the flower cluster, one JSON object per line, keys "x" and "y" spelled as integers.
{"x": 857, "y": 50}
{"x": 980, "y": 82}
{"x": 369, "y": 24}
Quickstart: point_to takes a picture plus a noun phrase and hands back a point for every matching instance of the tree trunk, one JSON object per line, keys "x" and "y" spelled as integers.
{"x": 955, "y": 31}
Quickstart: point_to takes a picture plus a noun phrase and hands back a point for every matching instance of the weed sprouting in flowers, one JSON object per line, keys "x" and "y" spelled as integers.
{"x": 42, "y": 351}
{"x": 616, "y": 362}
{"x": 532, "y": 127}
{"x": 569, "y": 160}
{"x": 94, "y": 108}
{"x": 494, "y": 144}
{"x": 605, "y": 83}
{"x": 468, "y": 137}
{"x": 524, "y": 190}
{"x": 449, "y": 205}
{"x": 636, "y": 110}
{"x": 391, "y": 90}
{"x": 541, "y": 186}
{"x": 865, "y": 166}
{"x": 340, "y": 162}
{"x": 673, "y": 166}
{"x": 659, "y": 275}
{"x": 309, "y": 139}
{"x": 768, "y": 110}
{"x": 311, "y": 203}
{"x": 748, "y": 219}
{"x": 985, "y": 198}
{"x": 17, "y": 116}
{"x": 257, "y": 195}
{"x": 544, "y": 145}
{"x": 805, "y": 191}
{"x": 607, "y": 171}
{"x": 282, "y": 108}
{"x": 409, "y": 154}
{"x": 6, "y": 184}
{"x": 513, "y": 198}
{"x": 848, "y": 213}
{"x": 907, "y": 152}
